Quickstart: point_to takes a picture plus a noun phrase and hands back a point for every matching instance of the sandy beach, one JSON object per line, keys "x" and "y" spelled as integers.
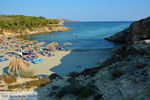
{"x": 63, "y": 62}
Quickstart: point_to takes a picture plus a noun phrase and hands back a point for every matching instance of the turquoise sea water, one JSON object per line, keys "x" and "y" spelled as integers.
{"x": 85, "y": 35}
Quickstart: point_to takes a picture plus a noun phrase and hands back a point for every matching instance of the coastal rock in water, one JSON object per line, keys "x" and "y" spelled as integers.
{"x": 137, "y": 31}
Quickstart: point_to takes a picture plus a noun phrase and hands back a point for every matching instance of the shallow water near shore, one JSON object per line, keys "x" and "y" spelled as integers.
{"x": 84, "y": 35}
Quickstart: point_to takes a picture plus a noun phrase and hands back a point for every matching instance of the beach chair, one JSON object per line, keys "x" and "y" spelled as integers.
{"x": 30, "y": 59}
{"x": 36, "y": 61}
{"x": 1, "y": 56}
{"x": 49, "y": 55}
{"x": 4, "y": 59}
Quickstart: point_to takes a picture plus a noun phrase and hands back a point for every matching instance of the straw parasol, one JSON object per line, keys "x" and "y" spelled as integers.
{"x": 16, "y": 64}
{"x": 37, "y": 45}
{"x": 67, "y": 43}
{"x": 29, "y": 48}
{"x": 52, "y": 45}
{"x": 55, "y": 44}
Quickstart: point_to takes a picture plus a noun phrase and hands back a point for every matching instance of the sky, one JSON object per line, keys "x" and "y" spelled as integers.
{"x": 83, "y": 10}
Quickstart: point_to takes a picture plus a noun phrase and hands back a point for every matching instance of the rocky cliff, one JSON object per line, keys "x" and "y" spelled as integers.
{"x": 27, "y": 25}
{"x": 137, "y": 31}
{"x": 124, "y": 76}
{"x": 32, "y": 30}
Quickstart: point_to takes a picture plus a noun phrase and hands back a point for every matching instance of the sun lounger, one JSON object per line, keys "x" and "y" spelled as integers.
{"x": 1, "y": 56}
{"x": 49, "y": 55}
{"x": 30, "y": 59}
{"x": 4, "y": 59}
{"x": 36, "y": 61}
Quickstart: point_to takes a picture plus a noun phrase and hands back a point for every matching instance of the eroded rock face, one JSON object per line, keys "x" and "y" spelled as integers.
{"x": 33, "y": 30}
{"x": 137, "y": 31}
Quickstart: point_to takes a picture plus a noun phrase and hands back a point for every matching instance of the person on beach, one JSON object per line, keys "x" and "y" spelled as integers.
{"x": 36, "y": 55}
{"x": 20, "y": 54}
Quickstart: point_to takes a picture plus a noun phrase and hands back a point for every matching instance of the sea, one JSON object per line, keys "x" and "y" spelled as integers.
{"x": 85, "y": 35}
{"x": 86, "y": 38}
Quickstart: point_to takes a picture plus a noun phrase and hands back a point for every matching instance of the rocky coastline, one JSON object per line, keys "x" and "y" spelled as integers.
{"x": 32, "y": 30}
{"x": 124, "y": 76}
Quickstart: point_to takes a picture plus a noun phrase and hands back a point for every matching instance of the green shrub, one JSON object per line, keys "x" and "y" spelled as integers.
{"x": 77, "y": 89}
{"x": 87, "y": 93}
{"x": 19, "y": 21}
{"x": 116, "y": 74}
{"x": 60, "y": 93}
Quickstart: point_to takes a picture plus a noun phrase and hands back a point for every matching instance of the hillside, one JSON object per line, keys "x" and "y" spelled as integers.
{"x": 20, "y": 24}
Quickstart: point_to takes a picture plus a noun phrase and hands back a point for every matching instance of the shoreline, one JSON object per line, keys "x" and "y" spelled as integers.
{"x": 64, "y": 62}
{"x": 61, "y": 60}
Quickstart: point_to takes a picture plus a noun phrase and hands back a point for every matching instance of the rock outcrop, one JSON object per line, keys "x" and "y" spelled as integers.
{"x": 124, "y": 76}
{"x": 137, "y": 31}
{"x": 32, "y": 30}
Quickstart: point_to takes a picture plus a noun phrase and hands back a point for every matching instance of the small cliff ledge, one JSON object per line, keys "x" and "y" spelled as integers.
{"x": 27, "y": 25}
{"x": 138, "y": 30}
{"x": 32, "y": 30}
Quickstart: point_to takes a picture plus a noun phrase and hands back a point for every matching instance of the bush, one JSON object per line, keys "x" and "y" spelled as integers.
{"x": 60, "y": 93}
{"x": 55, "y": 87}
{"x": 8, "y": 79}
{"x": 116, "y": 74}
{"x": 98, "y": 96}
{"x": 87, "y": 93}
{"x": 53, "y": 76}
{"x": 15, "y": 21}
{"x": 77, "y": 90}
{"x": 30, "y": 84}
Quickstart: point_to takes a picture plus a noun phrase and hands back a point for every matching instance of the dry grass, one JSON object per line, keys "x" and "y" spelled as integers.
{"x": 28, "y": 85}
{"x": 8, "y": 79}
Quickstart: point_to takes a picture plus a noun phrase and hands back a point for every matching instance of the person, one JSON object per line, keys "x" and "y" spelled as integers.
{"x": 36, "y": 55}
{"x": 20, "y": 54}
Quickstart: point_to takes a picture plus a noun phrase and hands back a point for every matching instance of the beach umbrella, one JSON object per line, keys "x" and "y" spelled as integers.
{"x": 67, "y": 43}
{"x": 17, "y": 65}
{"x": 49, "y": 47}
{"x": 55, "y": 45}
{"x": 41, "y": 43}
{"x": 37, "y": 45}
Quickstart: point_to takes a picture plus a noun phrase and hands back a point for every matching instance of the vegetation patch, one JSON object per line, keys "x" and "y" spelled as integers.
{"x": 55, "y": 87}
{"x": 21, "y": 21}
{"x": 63, "y": 91}
{"x": 116, "y": 74}
{"x": 87, "y": 92}
{"x": 98, "y": 96}
{"x": 53, "y": 76}
{"x": 75, "y": 89}
{"x": 28, "y": 85}
{"x": 8, "y": 79}
{"x": 90, "y": 71}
